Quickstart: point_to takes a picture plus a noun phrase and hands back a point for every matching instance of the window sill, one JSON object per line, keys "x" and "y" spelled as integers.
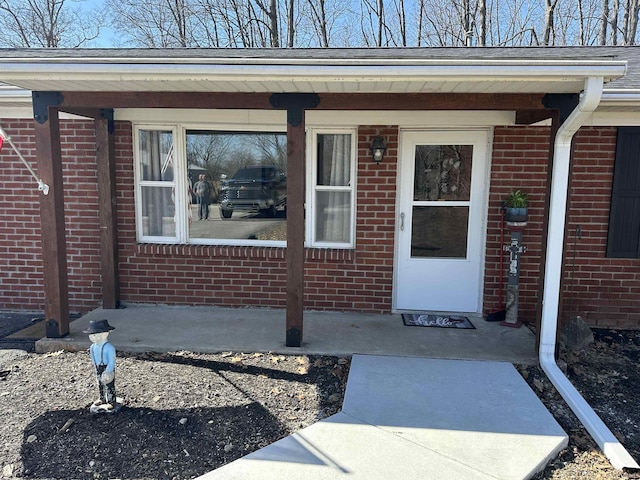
{"x": 227, "y": 251}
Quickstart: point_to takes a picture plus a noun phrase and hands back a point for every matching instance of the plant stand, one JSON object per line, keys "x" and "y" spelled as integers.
{"x": 515, "y": 249}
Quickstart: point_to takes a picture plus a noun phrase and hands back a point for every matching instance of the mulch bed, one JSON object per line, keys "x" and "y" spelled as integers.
{"x": 187, "y": 414}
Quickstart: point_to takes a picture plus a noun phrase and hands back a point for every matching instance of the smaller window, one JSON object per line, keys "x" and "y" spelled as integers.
{"x": 332, "y": 196}
{"x": 156, "y": 186}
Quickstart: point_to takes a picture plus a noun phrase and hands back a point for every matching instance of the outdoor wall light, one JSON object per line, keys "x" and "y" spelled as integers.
{"x": 378, "y": 148}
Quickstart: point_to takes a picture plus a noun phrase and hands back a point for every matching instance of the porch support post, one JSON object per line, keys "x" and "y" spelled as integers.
{"x": 52, "y": 219}
{"x": 295, "y": 105}
{"x": 105, "y": 158}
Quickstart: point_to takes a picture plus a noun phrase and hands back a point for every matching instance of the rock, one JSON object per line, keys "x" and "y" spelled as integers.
{"x": 228, "y": 447}
{"x": 7, "y": 470}
{"x": 334, "y": 398}
{"x": 183, "y": 420}
{"x": 10, "y": 355}
{"x": 576, "y": 334}
{"x": 538, "y": 384}
{"x": 562, "y": 365}
{"x": 31, "y": 438}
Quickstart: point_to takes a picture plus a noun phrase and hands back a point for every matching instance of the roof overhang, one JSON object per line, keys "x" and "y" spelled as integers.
{"x": 295, "y": 71}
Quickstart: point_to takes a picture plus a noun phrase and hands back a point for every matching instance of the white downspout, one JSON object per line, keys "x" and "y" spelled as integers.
{"x": 609, "y": 444}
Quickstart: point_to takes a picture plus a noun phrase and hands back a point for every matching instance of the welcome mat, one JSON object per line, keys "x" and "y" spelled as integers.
{"x": 430, "y": 320}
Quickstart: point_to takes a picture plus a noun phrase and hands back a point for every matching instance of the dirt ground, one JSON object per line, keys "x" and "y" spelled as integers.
{"x": 607, "y": 374}
{"x": 186, "y": 414}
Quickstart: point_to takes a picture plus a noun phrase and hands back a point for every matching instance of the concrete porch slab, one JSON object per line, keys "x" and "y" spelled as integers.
{"x": 211, "y": 330}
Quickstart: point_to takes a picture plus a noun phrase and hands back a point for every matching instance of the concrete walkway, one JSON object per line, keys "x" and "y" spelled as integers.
{"x": 421, "y": 403}
{"x": 415, "y": 419}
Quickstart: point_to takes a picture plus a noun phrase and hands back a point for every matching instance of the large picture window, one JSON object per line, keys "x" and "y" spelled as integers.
{"x": 228, "y": 187}
{"x": 211, "y": 186}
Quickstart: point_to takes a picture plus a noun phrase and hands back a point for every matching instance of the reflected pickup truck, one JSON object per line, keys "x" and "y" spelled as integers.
{"x": 261, "y": 189}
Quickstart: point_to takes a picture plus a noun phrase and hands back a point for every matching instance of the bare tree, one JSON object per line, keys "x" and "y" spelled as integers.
{"x": 549, "y": 27}
{"x": 332, "y": 23}
{"x": 604, "y": 22}
{"x": 402, "y": 21}
{"x": 421, "y": 12}
{"x": 154, "y": 24}
{"x": 319, "y": 21}
{"x": 372, "y": 21}
{"x": 630, "y": 22}
{"x": 614, "y": 22}
{"x": 482, "y": 33}
{"x": 47, "y": 23}
{"x": 271, "y": 13}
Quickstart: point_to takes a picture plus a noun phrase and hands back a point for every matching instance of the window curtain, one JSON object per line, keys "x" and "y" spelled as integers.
{"x": 337, "y": 211}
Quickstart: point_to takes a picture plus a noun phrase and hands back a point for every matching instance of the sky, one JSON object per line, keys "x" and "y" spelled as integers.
{"x": 106, "y": 34}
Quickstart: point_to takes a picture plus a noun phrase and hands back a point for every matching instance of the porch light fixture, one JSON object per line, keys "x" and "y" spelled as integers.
{"x": 378, "y": 147}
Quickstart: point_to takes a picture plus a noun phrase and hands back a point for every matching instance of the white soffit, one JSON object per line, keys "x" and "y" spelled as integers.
{"x": 304, "y": 75}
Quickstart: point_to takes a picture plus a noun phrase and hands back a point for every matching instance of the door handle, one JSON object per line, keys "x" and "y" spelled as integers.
{"x": 402, "y": 221}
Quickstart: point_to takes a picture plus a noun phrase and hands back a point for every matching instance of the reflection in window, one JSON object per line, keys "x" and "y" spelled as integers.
{"x": 439, "y": 232}
{"x": 443, "y": 172}
{"x": 156, "y": 155}
{"x": 246, "y": 176}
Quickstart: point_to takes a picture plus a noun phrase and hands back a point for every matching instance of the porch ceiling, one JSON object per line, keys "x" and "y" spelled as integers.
{"x": 338, "y": 71}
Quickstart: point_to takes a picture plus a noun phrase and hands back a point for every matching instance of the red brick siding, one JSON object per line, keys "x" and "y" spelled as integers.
{"x": 606, "y": 291}
{"x": 357, "y": 280}
{"x": 519, "y": 162}
{"x": 20, "y": 238}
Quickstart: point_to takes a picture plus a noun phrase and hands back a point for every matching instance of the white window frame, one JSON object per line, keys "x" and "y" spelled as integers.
{"x": 139, "y": 184}
{"x": 313, "y": 187}
{"x": 179, "y": 184}
{"x": 215, "y": 127}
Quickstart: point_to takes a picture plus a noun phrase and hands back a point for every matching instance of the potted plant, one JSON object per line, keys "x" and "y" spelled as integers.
{"x": 516, "y": 207}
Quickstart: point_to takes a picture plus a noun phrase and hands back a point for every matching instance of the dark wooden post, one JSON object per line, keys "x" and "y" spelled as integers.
{"x": 295, "y": 234}
{"x": 54, "y": 247}
{"x": 295, "y": 103}
{"x": 105, "y": 157}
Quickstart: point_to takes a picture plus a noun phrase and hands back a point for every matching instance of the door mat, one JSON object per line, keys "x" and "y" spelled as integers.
{"x": 430, "y": 320}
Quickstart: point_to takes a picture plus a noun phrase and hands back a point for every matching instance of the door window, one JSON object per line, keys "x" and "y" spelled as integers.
{"x": 441, "y": 195}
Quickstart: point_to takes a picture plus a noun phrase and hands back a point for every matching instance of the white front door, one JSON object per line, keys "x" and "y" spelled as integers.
{"x": 441, "y": 220}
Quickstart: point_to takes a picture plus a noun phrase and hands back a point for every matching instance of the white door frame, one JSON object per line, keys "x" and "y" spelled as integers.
{"x": 404, "y": 163}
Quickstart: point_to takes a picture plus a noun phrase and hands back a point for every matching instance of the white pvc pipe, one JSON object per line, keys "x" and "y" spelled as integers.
{"x": 609, "y": 444}
{"x": 43, "y": 187}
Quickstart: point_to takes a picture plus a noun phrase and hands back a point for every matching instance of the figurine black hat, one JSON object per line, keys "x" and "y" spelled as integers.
{"x": 98, "y": 326}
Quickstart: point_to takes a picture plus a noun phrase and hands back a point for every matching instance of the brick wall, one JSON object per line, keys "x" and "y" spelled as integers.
{"x": 359, "y": 280}
{"x": 606, "y": 292}
{"x": 519, "y": 162}
{"x": 20, "y": 240}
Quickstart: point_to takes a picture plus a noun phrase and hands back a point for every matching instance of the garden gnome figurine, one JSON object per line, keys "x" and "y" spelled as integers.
{"x": 103, "y": 357}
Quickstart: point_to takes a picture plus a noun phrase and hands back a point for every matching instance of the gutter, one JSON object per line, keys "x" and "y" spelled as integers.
{"x": 621, "y": 97}
{"x": 301, "y": 70}
{"x": 608, "y": 443}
